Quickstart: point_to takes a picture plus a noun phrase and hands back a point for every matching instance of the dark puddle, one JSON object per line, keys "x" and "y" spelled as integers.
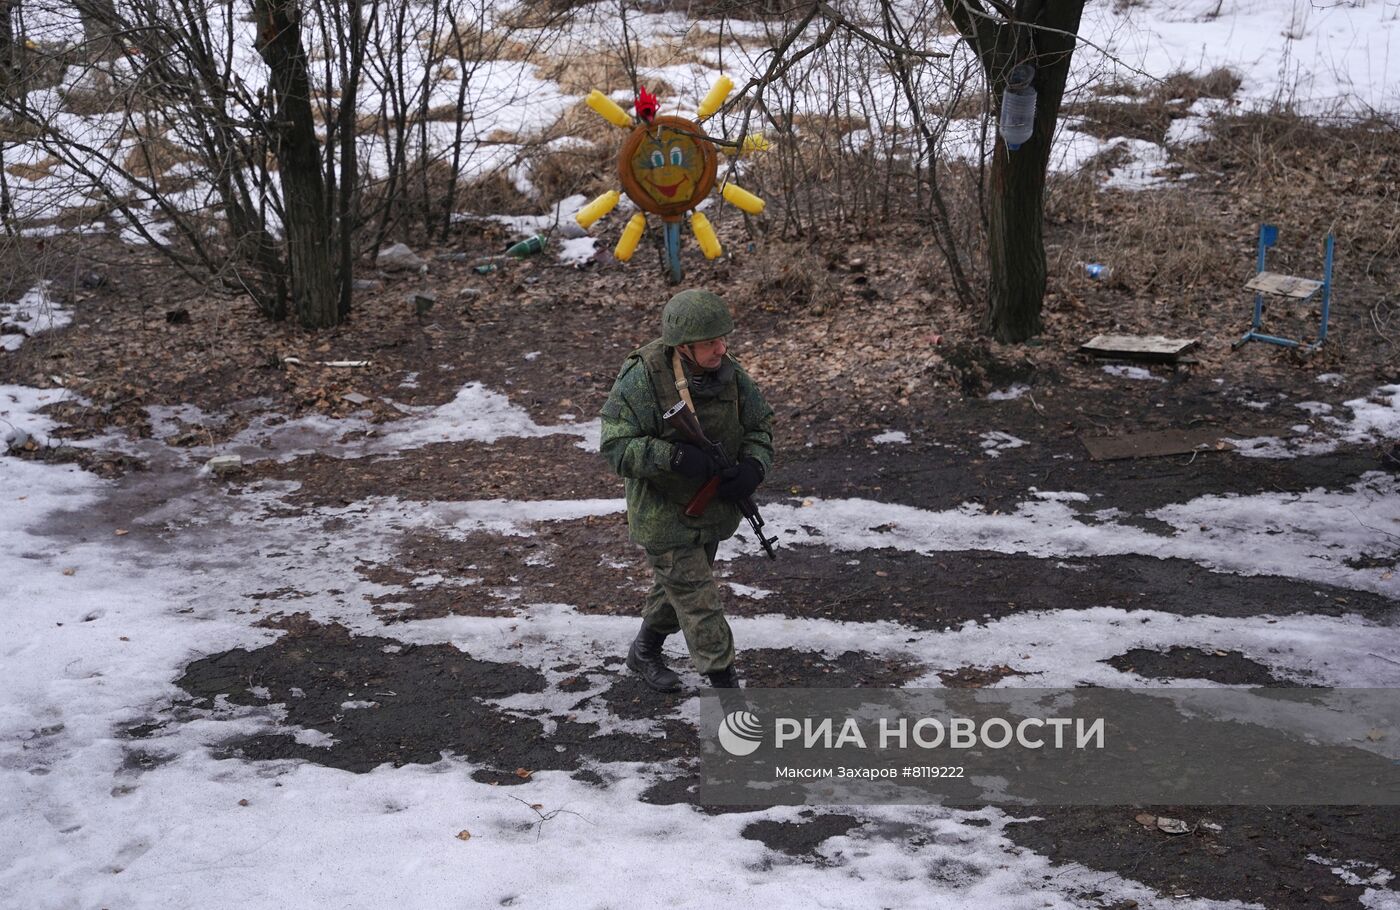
{"x": 1228, "y": 667}
{"x": 426, "y": 701}
{"x": 945, "y": 590}
{"x": 800, "y": 838}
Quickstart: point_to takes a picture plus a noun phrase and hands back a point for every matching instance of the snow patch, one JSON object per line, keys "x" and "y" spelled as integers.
{"x": 33, "y": 313}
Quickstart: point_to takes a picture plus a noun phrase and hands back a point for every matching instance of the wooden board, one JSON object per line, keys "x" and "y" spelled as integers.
{"x": 1154, "y": 444}
{"x": 1284, "y": 285}
{"x": 1153, "y": 348}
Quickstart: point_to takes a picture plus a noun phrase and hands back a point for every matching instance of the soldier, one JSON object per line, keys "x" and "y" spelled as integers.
{"x": 663, "y": 473}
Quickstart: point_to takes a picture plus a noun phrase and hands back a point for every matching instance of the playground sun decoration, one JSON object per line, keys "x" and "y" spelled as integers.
{"x": 667, "y": 167}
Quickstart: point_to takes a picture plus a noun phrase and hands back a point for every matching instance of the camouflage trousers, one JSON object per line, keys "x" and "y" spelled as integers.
{"x": 685, "y": 598}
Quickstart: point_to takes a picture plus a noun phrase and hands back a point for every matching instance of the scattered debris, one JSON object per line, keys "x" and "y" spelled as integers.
{"x": 356, "y": 398}
{"x": 342, "y": 363}
{"x": 224, "y": 465}
{"x": 1149, "y": 348}
{"x": 528, "y": 247}
{"x": 1172, "y": 826}
{"x": 1154, "y": 444}
{"x": 366, "y": 284}
{"x": 398, "y": 258}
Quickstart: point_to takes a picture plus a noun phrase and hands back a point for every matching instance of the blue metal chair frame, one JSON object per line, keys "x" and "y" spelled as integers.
{"x": 1268, "y": 237}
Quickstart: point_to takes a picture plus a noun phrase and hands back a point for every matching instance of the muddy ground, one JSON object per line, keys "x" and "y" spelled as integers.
{"x": 551, "y": 337}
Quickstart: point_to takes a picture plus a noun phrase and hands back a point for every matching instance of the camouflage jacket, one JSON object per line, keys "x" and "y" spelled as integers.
{"x": 639, "y": 445}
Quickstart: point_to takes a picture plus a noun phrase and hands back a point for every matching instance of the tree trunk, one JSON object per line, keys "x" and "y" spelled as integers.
{"x": 307, "y": 225}
{"x": 1043, "y": 35}
{"x": 353, "y": 57}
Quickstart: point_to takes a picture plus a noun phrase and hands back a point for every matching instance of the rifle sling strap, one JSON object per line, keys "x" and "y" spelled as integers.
{"x": 682, "y": 384}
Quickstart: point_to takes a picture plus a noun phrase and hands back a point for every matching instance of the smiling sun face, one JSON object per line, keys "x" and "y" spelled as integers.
{"x": 664, "y": 168}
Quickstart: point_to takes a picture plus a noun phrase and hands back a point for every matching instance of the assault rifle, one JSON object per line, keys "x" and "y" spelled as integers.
{"x": 684, "y": 422}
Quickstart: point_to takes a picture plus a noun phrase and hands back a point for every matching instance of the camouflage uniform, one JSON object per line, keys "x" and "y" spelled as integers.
{"x": 640, "y": 446}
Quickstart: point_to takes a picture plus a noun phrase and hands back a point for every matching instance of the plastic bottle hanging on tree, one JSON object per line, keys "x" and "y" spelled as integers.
{"x": 1018, "y": 107}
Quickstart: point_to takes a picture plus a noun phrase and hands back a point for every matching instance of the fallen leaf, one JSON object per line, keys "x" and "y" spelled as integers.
{"x": 536, "y": 806}
{"x": 1146, "y": 819}
{"x": 464, "y": 834}
{"x": 1375, "y": 735}
{"x": 523, "y": 773}
{"x": 242, "y": 802}
{"x": 70, "y": 571}
{"x": 121, "y": 532}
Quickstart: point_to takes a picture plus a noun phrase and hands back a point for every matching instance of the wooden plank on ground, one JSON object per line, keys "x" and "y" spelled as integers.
{"x": 1152, "y": 348}
{"x": 1284, "y": 285}
{"x": 1154, "y": 444}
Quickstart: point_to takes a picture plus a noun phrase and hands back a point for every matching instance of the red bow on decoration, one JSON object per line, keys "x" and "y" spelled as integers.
{"x": 646, "y": 104}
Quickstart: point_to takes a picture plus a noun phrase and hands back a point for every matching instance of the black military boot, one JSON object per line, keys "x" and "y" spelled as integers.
{"x": 644, "y": 658}
{"x": 728, "y": 678}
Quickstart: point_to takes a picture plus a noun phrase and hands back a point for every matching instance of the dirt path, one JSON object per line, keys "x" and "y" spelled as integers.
{"x": 396, "y": 610}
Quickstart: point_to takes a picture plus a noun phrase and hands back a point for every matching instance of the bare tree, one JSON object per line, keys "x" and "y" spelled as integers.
{"x": 1006, "y": 33}
{"x": 849, "y": 47}
{"x": 307, "y": 215}
{"x": 240, "y": 138}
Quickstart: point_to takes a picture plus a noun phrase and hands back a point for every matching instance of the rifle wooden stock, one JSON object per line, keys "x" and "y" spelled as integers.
{"x": 684, "y": 422}
{"x": 701, "y": 500}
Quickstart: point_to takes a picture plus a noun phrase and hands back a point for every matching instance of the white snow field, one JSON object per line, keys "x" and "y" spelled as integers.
{"x": 99, "y": 624}
{"x": 1335, "y": 58}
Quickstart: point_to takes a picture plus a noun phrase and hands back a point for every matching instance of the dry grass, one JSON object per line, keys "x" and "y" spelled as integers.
{"x": 790, "y": 276}
{"x": 1155, "y": 106}
{"x": 1179, "y": 255}
{"x": 821, "y": 127}
{"x": 466, "y": 43}
{"x": 44, "y": 168}
{"x": 557, "y": 173}
{"x": 605, "y": 70}
{"x": 154, "y": 155}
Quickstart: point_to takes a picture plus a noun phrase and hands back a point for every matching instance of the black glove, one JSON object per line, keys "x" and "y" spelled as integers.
{"x": 692, "y": 461}
{"x": 741, "y": 480}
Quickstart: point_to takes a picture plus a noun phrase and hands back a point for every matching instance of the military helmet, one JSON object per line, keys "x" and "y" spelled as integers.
{"x": 694, "y": 315}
